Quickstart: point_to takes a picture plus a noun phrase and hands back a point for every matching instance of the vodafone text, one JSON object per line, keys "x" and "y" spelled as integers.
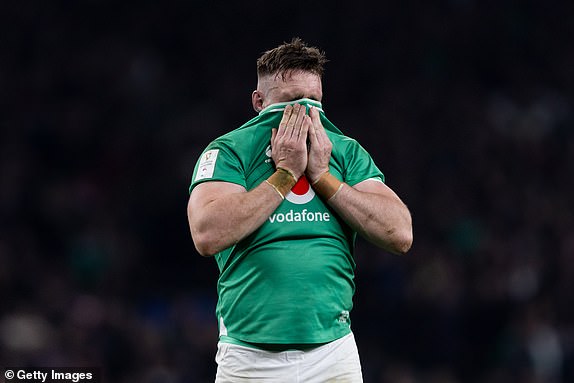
{"x": 303, "y": 216}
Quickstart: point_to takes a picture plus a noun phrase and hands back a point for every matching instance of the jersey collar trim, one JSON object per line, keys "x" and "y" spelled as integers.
{"x": 280, "y": 106}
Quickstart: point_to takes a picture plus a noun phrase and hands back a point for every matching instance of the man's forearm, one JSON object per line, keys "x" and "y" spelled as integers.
{"x": 226, "y": 220}
{"x": 383, "y": 220}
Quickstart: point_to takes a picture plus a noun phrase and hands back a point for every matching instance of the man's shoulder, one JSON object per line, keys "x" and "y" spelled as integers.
{"x": 342, "y": 141}
{"x": 239, "y": 136}
{"x": 341, "y": 138}
{"x": 243, "y": 142}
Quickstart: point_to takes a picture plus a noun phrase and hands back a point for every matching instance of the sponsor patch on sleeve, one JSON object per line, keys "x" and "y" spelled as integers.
{"x": 207, "y": 164}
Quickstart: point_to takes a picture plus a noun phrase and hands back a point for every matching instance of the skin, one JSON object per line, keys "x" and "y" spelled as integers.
{"x": 221, "y": 214}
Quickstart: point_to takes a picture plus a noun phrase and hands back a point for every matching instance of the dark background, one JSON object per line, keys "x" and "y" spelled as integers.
{"x": 465, "y": 105}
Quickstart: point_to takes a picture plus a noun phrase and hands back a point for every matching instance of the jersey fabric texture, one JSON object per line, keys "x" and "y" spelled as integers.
{"x": 292, "y": 280}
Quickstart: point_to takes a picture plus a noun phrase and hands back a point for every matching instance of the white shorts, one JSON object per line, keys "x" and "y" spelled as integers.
{"x": 337, "y": 361}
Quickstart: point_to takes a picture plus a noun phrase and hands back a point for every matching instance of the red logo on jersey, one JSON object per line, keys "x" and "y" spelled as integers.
{"x": 301, "y": 193}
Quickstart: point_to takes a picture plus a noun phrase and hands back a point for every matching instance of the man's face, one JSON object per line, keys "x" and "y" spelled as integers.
{"x": 296, "y": 85}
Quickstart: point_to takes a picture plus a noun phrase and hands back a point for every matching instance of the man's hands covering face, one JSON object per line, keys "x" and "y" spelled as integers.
{"x": 289, "y": 143}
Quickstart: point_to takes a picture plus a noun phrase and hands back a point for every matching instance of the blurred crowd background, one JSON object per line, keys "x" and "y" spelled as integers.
{"x": 465, "y": 105}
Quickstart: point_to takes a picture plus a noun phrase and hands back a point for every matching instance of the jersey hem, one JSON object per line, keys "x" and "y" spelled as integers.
{"x": 268, "y": 346}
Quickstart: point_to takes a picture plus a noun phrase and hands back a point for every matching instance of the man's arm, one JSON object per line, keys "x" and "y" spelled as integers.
{"x": 370, "y": 207}
{"x": 377, "y": 213}
{"x": 220, "y": 214}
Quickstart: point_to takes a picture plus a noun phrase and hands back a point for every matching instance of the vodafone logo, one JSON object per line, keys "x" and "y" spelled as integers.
{"x": 301, "y": 193}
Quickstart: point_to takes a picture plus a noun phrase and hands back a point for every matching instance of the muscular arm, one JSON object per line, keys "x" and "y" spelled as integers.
{"x": 377, "y": 213}
{"x": 220, "y": 214}
{"x": 370, "y": 207}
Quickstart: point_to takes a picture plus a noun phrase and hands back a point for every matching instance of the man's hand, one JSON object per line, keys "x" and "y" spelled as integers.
{"x": 289, "y": 142}
{"x": 320, "y": 150}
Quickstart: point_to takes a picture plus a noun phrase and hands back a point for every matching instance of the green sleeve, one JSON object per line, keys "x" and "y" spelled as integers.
{"x": 218, "y": 162}
{"x": 359, "y": 165}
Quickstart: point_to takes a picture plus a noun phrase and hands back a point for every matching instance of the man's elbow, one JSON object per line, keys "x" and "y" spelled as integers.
{"x": 404, "y": 236}
{"x": 400, "y": 242}
{"x": 404, "y": 242}
{"x": 205, "y": 249}
{"x": 205, "y": 245}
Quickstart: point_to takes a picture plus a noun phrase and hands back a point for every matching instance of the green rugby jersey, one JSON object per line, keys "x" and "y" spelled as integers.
{"x": 292, "y": 280}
